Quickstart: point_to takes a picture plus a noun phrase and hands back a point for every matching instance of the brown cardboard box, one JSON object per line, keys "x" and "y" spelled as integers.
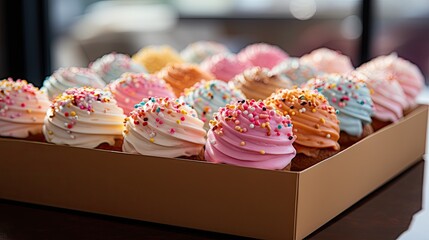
{"x": 221, "y": 198}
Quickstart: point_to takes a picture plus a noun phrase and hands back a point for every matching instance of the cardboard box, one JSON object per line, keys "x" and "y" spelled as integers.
{"x": 221, "y": 198}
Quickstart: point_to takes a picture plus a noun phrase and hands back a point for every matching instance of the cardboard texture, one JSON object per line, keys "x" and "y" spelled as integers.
{"x": 221, "y": 198}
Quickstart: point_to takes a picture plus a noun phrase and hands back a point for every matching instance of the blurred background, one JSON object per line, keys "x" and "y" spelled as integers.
{"x": 37, "y": 37}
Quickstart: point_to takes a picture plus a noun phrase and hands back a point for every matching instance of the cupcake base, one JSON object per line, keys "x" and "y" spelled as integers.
{"x": 117, "y": 147}
{"x": 347, "y": 140}
{"x": 302, "y": 161}
{"x": 378, "y": 124}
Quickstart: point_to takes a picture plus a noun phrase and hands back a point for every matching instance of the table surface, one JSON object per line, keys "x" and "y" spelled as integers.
{"x": 392, "y": 211}
{"x": 396, "y": 210}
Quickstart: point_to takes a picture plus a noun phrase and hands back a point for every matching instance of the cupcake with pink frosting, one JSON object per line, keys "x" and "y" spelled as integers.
{"x": 262, "y": 55}
{"x": 22, "y": 109}
{"x": 388, "y": 98}
{"x": 197, "y": 52}
{"x": 250, "y": 134}
{"x": 224, "y": 66}
{"x": 329, "y": 61}
{"x": 131, "y": 88}
{"x": 393, "y": 67}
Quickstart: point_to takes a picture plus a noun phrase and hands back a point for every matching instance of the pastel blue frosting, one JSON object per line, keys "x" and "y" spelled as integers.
{"x": 350, "y": 97}
{"x": 207, "y": 97}
{"x": 296, "y": 71}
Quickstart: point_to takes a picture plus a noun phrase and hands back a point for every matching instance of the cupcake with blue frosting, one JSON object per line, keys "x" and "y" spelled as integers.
{"x": 350, "y": 96}
{"x": 299, "y": 73}
{"x": 206, "y": 97}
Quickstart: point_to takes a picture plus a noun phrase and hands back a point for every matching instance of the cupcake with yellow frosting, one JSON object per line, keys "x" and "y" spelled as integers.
{"x": 154, "y": 58}
{"x": 315, "y": 125}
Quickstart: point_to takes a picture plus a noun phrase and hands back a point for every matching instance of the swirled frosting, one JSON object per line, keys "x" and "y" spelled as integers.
{"x": 111, "y": 66}
{"x": 350, "y": 96}
{"x": 197, "y": 52}
{"x": 299, "y": 73}
{"x": 206, "y": 97}
{"x": 65, "y": 78}
{"x": 393, "y": 67}
{"x": 181, "y": 76}
{"x": 259, "y": 83}
{"x": 154, "y": 58}
{"x": 387, "y": 95}
{"x": 250, "y": 134}
{"x": 314, "y": 121}
{"x": 163, "y": 127}
{"x": 329, "y": 61}
{"x": 131, "y": 88}
{"x": 22, "y": 108}
{"x": 262, "y": 55}
{"x": 83, "y": 117}
{"x": 224, "y": 66}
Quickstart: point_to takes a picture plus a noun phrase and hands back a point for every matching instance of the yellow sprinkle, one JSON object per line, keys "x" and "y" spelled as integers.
{"x": 29, "y": 110}
{"x": 178, "y": 121}
{"x": 152, "y": 140}
{"x": 242, "y": 143}
{"x": 322, "y": 120}
{"x": 126, "y": 131}
{"x": 313, "y": 110}
{"x": 73, "y": 113}
{"x": 50, "y": 132}
{"x": 292, "y": 113}
{"x": 263, "y": 125}
{"x": 262, "y": 152}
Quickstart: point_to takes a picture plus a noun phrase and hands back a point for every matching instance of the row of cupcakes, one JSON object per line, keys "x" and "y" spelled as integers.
{"x": 339, "y": 89}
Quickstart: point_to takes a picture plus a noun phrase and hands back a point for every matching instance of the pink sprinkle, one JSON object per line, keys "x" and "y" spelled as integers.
{"x": 334, "y": 100}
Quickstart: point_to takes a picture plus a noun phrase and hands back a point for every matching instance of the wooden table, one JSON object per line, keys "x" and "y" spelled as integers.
{"x": 384, "y": 214}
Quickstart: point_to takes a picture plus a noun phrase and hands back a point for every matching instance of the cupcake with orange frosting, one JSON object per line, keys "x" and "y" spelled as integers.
{"x": 154, "y": 58}
{"x": 299, "y": 73}
{"x": 259, "y": 83}
{"x": 164, "y": 127}
{"x": 197, "y": 52}
{"x": 131, "y": 88}
{"x": 393, "y": 67}
{"x": 262, "y": 55}
{"x": 65, "y": 78}
{"x": 329, "y": 61}
{"x": 248, "y": 133}
{"x": 206, "y": 97}
{"x": 22, "y": 109}
{"x": 224, "y": 66}
{"x": 84, "y": 117}
{"x": 181, "y": 76}
{"x": 315, "y": 125}
{"x": 350, "y": 96}
{"x": 111, "y": 66}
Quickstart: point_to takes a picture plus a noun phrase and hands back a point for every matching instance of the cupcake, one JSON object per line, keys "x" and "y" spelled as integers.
{"x": 259, "y": 83}
{"x": 65, "y": 78}
{"x": 393, "y": 67}
{"x": 197, "y": 52}
{"x": 329, "y": 61}
{"x": 84, "y": 117}
{"x": 164, "y": 127}
{"x": 248, "y": 133}
{"x": 206, "y": 97}
{"x": 112, "y": 66}
{"x": 299, "y": 73}
{"x": 388, "y": 98}
{"x": 181, "y": 76}
{"x": 22, "y": 109}
{"x": 315, "y": 125}
{"x": 350, "y": 96}
{"x": 154, "y": 58}
{"x": 224, "y": 66}
{"x": 131, "y": 88}
{"x": 262, "y": 55}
